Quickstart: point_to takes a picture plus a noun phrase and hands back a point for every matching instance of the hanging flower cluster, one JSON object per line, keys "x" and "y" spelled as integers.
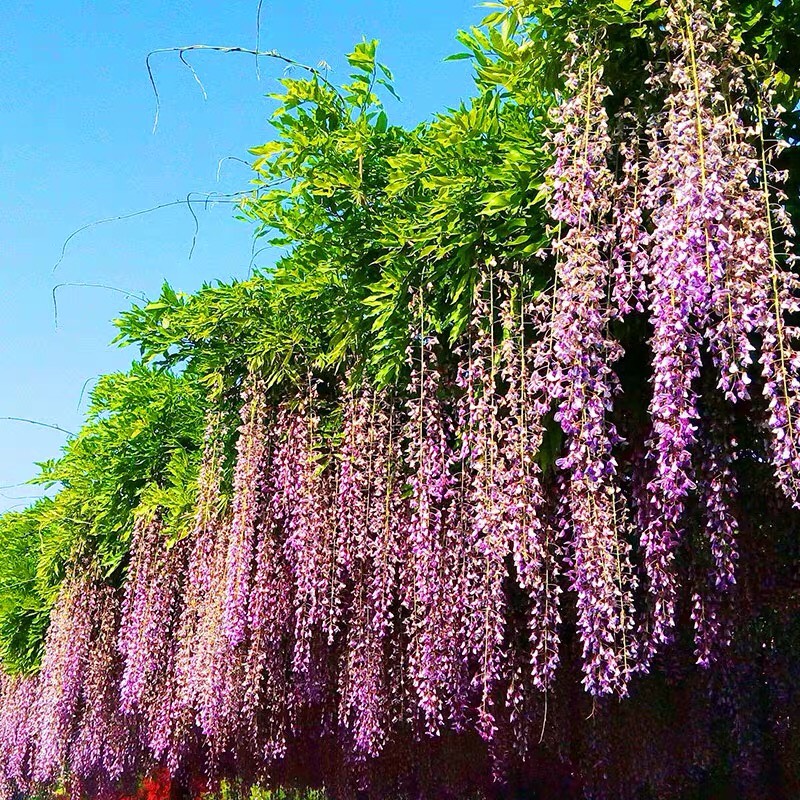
{"x": 582, "y": 384}
{"x": 429, "y": 571}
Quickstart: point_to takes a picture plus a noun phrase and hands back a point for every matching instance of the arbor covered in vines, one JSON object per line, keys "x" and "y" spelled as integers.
{"x": 491, "y": 484}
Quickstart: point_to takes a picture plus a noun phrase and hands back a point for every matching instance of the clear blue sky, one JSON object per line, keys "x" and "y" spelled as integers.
{"x": 76, "y": 145}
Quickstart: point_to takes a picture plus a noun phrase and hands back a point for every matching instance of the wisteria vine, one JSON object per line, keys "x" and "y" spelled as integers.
{"x": 399, "y": 566}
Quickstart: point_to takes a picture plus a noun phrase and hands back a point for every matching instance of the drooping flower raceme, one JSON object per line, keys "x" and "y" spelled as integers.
{"x": 369, "y": 505}
{"x": 104, "y": 748}
{"x": 487, "y": 493}
{"x": 195, "y": 641}
{"x": 251, "y": 449}
{"x": 717, "y": 490}
{"x": 303, "y": 505}
{"x": 19, "y": 700}
{"x": 433, "y": 629}
{"x": 268, "y": 697}
{"x": 582, "y": 383}
{"x": 682, "y": 197}
{"x": 61, "y": 682}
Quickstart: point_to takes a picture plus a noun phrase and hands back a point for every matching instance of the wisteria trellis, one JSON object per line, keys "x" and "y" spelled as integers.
{"x": 417, "y": 575}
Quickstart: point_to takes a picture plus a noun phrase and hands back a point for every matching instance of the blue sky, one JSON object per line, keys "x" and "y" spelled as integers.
{"x": 76, "y": 145}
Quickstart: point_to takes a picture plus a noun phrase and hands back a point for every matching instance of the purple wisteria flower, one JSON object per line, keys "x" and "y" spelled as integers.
{"x": 582, "y": 383}
{"x": 63, "y": 672}
{"x": 432, "y": 628}
{"x": 251, "y": 451}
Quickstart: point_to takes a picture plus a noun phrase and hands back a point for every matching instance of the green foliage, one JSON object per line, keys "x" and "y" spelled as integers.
{"x": 368, "y": 211}
{"x": 137, "y": 453}
{"x": 142, "y": 434}
{"x": 28, "y": 583}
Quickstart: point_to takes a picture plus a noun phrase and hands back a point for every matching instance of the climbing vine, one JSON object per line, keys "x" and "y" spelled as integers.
{"x": 510, "y": 430}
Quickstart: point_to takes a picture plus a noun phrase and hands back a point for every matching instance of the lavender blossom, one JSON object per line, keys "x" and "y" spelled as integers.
{"x": 251, "y": 449}
{"x": 582, "y": 383}
{"x": 432, "y": 630}
{"x": 62, "y": 677}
